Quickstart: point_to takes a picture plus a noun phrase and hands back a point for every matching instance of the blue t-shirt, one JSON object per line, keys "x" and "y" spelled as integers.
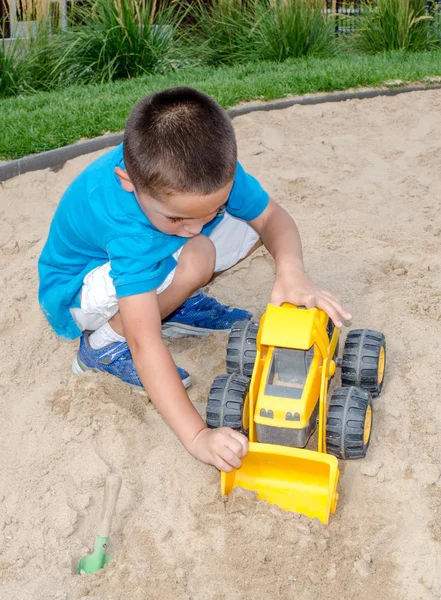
{"x": 97, "y": 221}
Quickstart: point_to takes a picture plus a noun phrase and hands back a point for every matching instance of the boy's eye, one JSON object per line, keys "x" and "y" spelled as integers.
{"x": 220, "y": 211}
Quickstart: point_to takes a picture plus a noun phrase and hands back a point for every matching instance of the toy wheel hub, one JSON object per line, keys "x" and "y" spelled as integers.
{"x": 381, "y": 362}
{"x": 367, "y": 425}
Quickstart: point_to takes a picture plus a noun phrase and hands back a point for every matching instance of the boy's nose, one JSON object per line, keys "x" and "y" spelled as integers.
{"x": 194, "y": 228}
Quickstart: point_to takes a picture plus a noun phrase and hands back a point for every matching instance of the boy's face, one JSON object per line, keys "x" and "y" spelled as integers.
{"x": 183, "y": 215}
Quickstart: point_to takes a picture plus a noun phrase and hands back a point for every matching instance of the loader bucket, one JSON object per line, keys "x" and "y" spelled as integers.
{"x": 295, "y": 479}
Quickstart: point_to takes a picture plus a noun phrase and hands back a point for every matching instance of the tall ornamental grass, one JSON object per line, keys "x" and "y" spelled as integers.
{"x": 295, "y": 28}
{"x": 30, "y": 64}
{"x": 105, "y": 41}
{"x": 223, "y": 31}
{"x": 117, "y": 39}
{"x": 437, "y": 24}
{"x": 28, "y": 10}
{"x": 395, "y": 25}
{"x": 12, "y": 69}
{"x": 229, "y": 31}
{"x": 19, "y": 71}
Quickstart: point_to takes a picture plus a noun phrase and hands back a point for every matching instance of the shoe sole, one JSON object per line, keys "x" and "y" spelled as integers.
{"x": 178, "y": 330}
{"x": 79, "y": 368}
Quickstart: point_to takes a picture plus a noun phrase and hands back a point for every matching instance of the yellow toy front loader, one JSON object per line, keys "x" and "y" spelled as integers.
{"x": 276, "y": 393}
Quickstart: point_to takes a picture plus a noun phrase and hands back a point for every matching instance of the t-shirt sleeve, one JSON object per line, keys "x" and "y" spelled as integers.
{"x": 139, "y": 264}
{"x": 247, "y": 198}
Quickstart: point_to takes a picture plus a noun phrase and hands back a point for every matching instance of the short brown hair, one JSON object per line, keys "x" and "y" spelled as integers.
{"x": 179, "y": 140}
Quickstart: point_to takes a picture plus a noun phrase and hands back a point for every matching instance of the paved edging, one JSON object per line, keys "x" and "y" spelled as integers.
{"x": 55, "y": 158}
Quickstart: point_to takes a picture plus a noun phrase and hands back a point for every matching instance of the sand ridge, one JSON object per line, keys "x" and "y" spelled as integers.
{"x": 363, "y": 181}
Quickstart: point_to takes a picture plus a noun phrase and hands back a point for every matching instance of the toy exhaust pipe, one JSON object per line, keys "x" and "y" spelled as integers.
{"x": 295, "y": 479}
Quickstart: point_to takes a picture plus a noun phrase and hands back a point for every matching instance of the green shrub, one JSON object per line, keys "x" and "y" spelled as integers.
{"x": 437, "y": 25}
{"x": 395, "y": 25}
{"x": 118, "y": 39}
{"x": 224, "y": 31}
{"x": 12, "y": 72}
{"x": 229, "y": 31}
{"x": 43, "y": 62}
{"x": 30, "y": 64}
{"x": 295, "y": 28}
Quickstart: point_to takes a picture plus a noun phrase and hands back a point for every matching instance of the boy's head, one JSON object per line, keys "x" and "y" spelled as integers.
{"x": 180, "y": 155}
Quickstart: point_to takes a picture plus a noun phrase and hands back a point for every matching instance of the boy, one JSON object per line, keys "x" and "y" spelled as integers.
{"x": 141, "y": 231}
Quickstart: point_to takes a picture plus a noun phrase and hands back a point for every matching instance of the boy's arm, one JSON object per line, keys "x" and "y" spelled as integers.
{"x": 280, "y": 236}
{"x": 141, "y": 320}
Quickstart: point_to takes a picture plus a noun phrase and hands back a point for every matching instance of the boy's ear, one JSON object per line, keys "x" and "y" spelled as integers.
{"x": 124, "y": 179}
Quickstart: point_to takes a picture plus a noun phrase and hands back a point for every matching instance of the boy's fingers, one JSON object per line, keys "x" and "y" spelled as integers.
{"x": 230, "y": 458}
{"x": 329, "y": 308}
{"x": 340, "y": 308}
{"x": 310, "y": 301}
{"x": 242, "y": 440}
{"x": 235, "y": 446}
{"x": 221, "y": 465}
{"x": 276, "y": 299}
{"x": 337, "y": 307}
{"x": 336, "y": 302}
{"x": 344, "y": 314}
{"x": 331, "y": 298}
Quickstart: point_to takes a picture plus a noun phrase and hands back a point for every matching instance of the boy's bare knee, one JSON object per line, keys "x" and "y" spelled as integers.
{"x": 198, "y": 259}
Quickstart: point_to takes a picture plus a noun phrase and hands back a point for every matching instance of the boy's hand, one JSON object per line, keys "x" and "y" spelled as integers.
{"x": 223, "y": 448}
{"x": 294, "y": 286}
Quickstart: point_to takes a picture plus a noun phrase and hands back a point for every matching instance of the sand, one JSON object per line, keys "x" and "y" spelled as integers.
{"x": 363, "y": 181}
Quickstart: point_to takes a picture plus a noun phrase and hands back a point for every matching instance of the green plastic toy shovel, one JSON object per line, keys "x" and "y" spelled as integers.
{"x": 97, "y": 560}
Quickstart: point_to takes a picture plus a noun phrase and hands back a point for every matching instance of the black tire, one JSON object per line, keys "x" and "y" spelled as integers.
{"x": 349, "y": 423}
{"x": 241, "y": 348}
{"x": 226, "y": 401}
{"x": 364, "y": 350}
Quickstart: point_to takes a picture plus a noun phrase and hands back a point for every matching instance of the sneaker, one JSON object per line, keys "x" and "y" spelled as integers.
{"x": 201, "y": 315}
{"x": 115, "y": 359}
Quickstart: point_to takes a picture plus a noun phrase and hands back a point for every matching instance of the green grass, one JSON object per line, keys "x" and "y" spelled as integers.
{"x": 47, "y": 120}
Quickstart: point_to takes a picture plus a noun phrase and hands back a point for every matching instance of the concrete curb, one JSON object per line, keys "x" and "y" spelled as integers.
{"x": 55, "y": 158}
